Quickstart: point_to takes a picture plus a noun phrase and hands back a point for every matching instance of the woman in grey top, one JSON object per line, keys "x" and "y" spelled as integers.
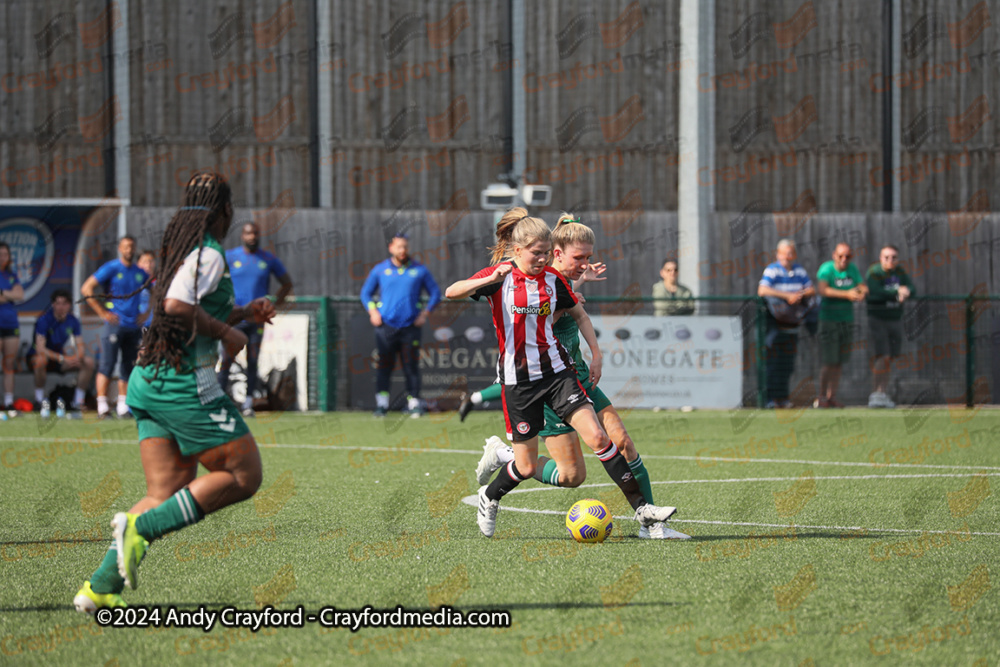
{"x": 672, "y": 298}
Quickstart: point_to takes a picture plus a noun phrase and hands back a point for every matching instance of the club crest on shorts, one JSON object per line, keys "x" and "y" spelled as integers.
{"x": 523, "y": 428}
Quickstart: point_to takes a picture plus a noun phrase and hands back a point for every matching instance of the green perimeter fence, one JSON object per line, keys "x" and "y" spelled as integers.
{"x": 950, "y": 353}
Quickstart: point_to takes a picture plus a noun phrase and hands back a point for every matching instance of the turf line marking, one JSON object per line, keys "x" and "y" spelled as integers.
{"x": 820, "y": 463}
{"x": 473, "y": 501}
{"x": 763, "y": 479}
{"x": 479, "y": 452}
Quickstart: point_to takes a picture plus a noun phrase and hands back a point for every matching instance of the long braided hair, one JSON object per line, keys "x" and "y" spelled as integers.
{"x": 207, "y": 196}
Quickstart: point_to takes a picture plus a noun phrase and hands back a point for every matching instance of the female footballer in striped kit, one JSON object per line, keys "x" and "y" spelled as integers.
{"x": 573, "y": 245}
{"x": 534, "y": 368}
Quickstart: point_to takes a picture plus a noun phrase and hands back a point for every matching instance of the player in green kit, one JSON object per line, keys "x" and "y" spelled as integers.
{"x": 181, "y": 413}
{"x": 573, "y": 244}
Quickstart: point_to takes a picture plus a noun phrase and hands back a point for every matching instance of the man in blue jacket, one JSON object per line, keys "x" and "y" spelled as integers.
{"x": 106, "y": 293}
{"x": 397, "y": 318}
{"x": 251, "y": 269}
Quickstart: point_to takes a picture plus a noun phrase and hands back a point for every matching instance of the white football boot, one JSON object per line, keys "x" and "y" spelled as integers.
{"x": 486, "y": 516}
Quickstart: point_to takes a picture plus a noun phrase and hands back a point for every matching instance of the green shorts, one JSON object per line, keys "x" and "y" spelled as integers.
{"x": 835, "y": 342}
{"x": 555, "y": 426}
{"x": 195, "y": 430}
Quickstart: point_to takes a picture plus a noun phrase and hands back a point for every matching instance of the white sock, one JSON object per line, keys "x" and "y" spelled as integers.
{"x": 39, "y": 394}
{"x": 382, "y": 400}
{"x": 122, "y": 408}
{"x": 412, "y": 403}
{"x": 8, "y": 399}
{"x": 79, "y": 396}
{"x": 102, "y": 404}
{"x": 505, "y": 454}
{"x": 476, "y": 398}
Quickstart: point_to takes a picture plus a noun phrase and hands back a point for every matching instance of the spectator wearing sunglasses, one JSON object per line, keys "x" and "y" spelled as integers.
{"x": 840, "y": 285}
{"x": 889, "y": 287}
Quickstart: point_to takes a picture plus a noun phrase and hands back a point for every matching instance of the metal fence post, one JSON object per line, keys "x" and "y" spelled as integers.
{"x": 970, "y": 350}
{"x": 761, "y": 352}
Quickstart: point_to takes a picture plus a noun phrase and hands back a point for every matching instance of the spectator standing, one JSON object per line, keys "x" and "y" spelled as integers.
{"x": 397, "y": 318}
{"x": 889, "y": 287}
{"x": 672, "y": 298}
{"x": 147, "y": 262}
{"x": 11, "y": 292}
{"x": 789, "y": 291}
{"x": 840, "y": 285}
{"x": 57, "y": 348}
{"x": 251, "y": 269}
{"x": 121, "y": 333}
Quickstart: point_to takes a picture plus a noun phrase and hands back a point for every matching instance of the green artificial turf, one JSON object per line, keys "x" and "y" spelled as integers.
{"x": 789, "y": 562}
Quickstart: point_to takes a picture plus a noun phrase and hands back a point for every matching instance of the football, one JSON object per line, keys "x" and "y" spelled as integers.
{"x": 589, "y": 521}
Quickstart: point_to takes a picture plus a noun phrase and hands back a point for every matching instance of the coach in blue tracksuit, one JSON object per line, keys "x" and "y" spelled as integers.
{"x": 397, "y": 319}
{"x": 121, "y": 334}
{"x": 251, "y": 269}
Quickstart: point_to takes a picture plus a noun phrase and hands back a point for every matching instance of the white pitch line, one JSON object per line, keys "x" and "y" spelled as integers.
{"x": 765, "y": 479}
{"x": 412, "y": 450}
{"x": 821, "y": 463}
{"x": 479, "y": 452}
{"x": 473, "y": 501}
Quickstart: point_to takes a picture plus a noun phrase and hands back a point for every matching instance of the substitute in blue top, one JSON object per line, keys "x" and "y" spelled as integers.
{"x": 147, "y": 262}
{"x": 58, "y": 348}
{"x": 251, "y": 269}
{"x": 788, "y": 283}
{"x": 11, "y": 292}
{"x": 397, "y": 318}
{"x": 114, "y": 292}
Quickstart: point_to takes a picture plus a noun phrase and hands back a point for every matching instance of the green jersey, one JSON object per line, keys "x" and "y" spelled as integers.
{"x": 568, "y": 333}
{"x": 834, "y": 309}
{"x": 195, "y": 384}
{"x": 883, "y": 291}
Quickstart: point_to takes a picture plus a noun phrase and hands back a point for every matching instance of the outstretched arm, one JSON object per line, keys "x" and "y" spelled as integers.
{"x": 587, "y": 331}
{"x": 466, "y": 288}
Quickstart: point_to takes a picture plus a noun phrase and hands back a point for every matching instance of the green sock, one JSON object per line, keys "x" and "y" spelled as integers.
{"x": 178, "y": 511}
{"x": 106, "y": 578}
{"x": 546, "y": 471}
{"x": 491, "y": 393}
{"x": 641, "y": 476}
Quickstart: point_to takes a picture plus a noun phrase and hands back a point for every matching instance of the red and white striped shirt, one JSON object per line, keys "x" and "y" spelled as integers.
{"x": 523, "y": 307}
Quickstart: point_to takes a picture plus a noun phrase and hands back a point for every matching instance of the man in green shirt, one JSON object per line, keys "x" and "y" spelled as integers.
{"x": 671, "y": 298}
{"x": 840, "y": 285}
{"x": 889, "y": 287}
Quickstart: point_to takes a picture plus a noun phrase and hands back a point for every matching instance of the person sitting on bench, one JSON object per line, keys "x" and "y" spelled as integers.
{"x": 58, "y": 349}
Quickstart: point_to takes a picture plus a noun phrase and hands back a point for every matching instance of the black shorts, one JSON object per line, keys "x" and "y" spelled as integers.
{"x": 10, "y": 333}
{"x": 51, "y": 366}
{"x": 524, "y": 404}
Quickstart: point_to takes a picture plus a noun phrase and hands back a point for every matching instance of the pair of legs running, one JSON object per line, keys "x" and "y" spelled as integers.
{"x": 175, "y": 498}
{"x": 525, "y": 463}
{"x": 568, "y": 469}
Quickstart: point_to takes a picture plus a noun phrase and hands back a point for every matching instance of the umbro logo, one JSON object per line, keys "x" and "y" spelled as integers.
{"x": 574, "y": 398}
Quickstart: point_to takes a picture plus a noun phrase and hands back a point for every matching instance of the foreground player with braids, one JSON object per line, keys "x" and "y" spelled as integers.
{"x": 534, "y": 368}
{"x": 182, "y": 415}
{"x": 573, "y": 245}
